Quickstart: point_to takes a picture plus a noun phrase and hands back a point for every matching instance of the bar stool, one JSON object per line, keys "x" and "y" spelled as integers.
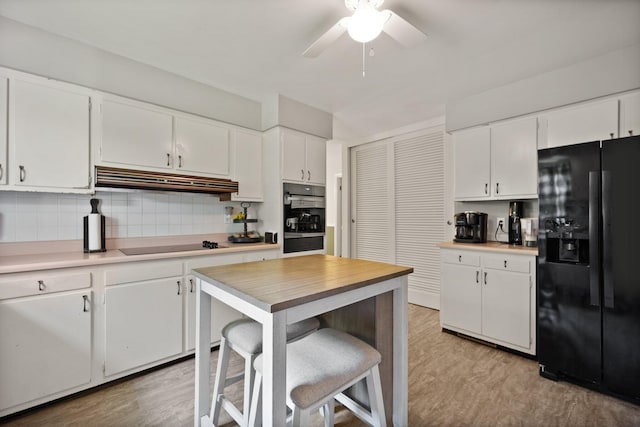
{"x": 320, "y": 367}
{"x": 244, "y": 336}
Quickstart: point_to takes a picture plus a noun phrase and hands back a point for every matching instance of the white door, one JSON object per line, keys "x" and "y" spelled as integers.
{"x": 372, "y": 203}
{"x": 248, "y": 166}
{"x": 514, "y": 150}
{"x": 45, "y": 346}
{"x": 293, "y": 156}
{"x": 143, "y": 323}
{"x": 591, "y": 122}
{"x": 316, "y": 160}
{"x": 202, "y": 147}
{"x": 506, "y": 307}
{"x": 136, "y": 135}
{"x": 472, "y": 158}
{"x": 49, "y": 132}
{"x": 4, "y": 101}
{"x": 460, "y": 297}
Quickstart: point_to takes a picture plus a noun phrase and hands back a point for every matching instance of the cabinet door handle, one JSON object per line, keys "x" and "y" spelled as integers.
{"x": 497, "y": 187}
{"x": 459, "y": 258}
{"x": 168, "y": 159}
{"x": 308, "y": 175}
{"x": 477, "y": 276}
{"x": 85, "y": 301}
{"x": 180, "y": 160}
{"x": 179, "y": 286}
{"x": 41, "y": 285}
{"x": 302, "y": 174}
{"x": 191, "y": 287}
{"x": 611, "y": 135}
{"x": 486, "y": 188}
{"x": 505, "y": 263}
{"x": 485, "y": 277}
{"x": 23, "y": 173}
{"x": 630, "y": 134}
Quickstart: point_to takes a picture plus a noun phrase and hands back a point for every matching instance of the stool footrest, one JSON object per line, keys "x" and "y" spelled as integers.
{"x": 358, "y": 410}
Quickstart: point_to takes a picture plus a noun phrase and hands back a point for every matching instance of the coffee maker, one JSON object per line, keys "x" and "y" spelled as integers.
{"x": 471, "y": 227}
{"x": 515, "y": 228}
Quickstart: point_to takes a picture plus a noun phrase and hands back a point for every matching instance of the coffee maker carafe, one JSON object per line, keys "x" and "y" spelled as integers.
{"x": 515, "y": 228}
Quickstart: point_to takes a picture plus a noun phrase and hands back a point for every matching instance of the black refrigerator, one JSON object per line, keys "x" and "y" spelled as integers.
{"x": 588, "y": 295}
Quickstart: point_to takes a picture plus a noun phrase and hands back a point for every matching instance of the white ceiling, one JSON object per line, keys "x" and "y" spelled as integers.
{"x": 253, "y": 47}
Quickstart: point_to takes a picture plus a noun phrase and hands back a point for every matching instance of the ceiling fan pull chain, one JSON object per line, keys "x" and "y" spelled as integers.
{"x": 363, "y": 57}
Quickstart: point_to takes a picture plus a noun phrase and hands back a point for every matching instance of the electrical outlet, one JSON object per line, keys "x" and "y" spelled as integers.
{"x": 501, "y": 223}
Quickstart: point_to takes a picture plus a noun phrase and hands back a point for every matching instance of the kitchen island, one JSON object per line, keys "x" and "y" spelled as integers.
{"x": 283, "y": 291}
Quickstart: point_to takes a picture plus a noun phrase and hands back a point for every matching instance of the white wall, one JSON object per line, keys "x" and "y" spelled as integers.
{"x": 614, "y": 72}
{"x": 334, "y": 169}
{"x": 279, "y": 110}
{"x": 35, "y": 51}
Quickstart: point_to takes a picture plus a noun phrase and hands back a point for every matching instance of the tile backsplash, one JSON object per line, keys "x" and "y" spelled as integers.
{"x": 44, "y": 216}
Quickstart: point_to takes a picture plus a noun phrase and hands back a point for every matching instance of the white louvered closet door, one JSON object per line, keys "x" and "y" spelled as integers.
{"x": 372, "y": 233}
{"x": 397, "y": 207}
{"x": 419, "y": 198}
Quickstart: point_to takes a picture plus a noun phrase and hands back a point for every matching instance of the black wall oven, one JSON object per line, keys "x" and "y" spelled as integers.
{"x": 304, "y": 217}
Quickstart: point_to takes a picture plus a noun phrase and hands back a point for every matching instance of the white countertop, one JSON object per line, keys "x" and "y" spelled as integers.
{"x": 491, "y": 247}
{"x": 16, "y": 258}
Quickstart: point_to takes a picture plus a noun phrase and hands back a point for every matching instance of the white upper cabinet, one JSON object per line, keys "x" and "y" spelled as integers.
{"x": 202, "y": 146}
{"x": 48, "y": 135}
{"x": 595, "y": 121}
{"x": 472, "y": 152}
{"x": 316, "y": 160}
{"x": 136, "y": 135}
{"x": 4, "y": 102}
{"x": 140, "y": 135}
{"x": 497, "y": 162}
{"x": 514, "y": 155}
{"x": 630, "y": 115}
{"x": 303, "y": 158}
{"x": 247, "y": 168}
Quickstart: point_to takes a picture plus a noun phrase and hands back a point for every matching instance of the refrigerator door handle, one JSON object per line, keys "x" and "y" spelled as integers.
{"x": 594, "y": 264}
{"x": 607, "y": 262}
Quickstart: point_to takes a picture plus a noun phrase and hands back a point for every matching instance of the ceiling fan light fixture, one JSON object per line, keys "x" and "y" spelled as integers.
{"x": 366, "y": 24}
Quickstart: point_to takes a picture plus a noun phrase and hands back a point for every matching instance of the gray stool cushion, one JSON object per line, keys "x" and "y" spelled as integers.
{"x": 247, "y": 333}
{"x": 322, "y": 363}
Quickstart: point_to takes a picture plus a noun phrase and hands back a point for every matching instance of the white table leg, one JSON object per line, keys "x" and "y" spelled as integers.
{"x": 274, "y": 359}
{"x": 203, "y": 354}
{"x": 400, "y": 354}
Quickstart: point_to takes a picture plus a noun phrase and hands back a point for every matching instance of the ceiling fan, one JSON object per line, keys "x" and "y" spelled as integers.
{"x": 366, "y": 23}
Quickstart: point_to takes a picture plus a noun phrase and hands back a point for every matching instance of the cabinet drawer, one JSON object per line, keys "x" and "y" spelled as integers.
{"x": 22, "y": 285}
{"x": 142, "y": 272}
{"x": 514, "y": 264}
{"x": 461, "y": 258}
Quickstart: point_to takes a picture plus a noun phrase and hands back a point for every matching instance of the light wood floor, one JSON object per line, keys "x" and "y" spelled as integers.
{"x": 452, "y": 382}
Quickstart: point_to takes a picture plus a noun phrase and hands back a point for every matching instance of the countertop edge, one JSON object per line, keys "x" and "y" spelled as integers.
{"x": 496, "y": 247}
{"x": 25, "y": 263}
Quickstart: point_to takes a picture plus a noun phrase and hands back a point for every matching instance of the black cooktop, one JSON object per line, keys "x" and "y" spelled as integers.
{"x": 171, "y": 248}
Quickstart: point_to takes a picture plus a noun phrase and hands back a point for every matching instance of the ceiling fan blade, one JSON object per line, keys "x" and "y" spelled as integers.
{"x": 402, "y": 31}
{"x": 327, "y": 39}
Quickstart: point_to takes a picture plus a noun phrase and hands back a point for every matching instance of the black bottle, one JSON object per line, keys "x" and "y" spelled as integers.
{"x": 515, "y": 228}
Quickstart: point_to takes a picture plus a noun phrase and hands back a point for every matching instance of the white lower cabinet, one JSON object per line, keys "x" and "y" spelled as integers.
{"x": 143, "y": 318}
{"x": 490, "y": 297}
{"x": 70, "y": 329}
{"x": 45, "y": 347}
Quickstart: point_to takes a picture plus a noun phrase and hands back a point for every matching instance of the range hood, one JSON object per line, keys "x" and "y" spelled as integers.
{"x": 144, "y": 180}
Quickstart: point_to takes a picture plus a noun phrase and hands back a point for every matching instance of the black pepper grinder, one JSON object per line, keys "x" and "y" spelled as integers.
{"x": 94, "y": 227}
